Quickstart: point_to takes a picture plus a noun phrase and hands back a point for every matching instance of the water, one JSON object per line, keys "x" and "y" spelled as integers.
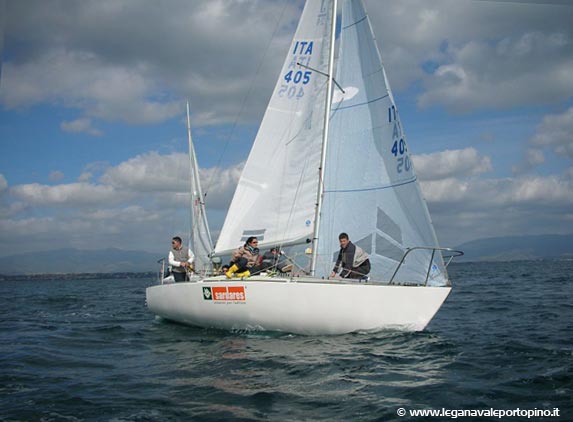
{"x": 90, "y": 350}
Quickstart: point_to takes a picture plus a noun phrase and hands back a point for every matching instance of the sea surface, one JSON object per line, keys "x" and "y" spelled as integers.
{"x": 90, "y": 350}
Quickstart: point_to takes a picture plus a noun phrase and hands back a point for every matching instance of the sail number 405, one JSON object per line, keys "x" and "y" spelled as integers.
{"x": 296, "y": 77}
{"x": 403, "y": 163}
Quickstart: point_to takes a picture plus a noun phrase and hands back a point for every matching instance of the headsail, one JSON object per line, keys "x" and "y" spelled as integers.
{"x": 370, "y": 188}
{"x": 200, "y": 242}
{"x": 276, "y": 193}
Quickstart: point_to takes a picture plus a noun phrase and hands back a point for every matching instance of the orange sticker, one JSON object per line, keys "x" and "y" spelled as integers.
{"x": 231, "y": 293}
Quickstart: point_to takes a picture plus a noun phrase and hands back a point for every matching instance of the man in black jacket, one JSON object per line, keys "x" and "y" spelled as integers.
{"x": 351, "y": 258}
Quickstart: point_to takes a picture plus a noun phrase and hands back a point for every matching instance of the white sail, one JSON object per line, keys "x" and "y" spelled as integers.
{"x": 200, "y": 242}
{"x": 276, "y": 194}
{"x": 370, "y": 188}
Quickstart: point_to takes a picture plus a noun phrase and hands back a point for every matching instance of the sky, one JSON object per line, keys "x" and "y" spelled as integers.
{"x": 93, "y": 144}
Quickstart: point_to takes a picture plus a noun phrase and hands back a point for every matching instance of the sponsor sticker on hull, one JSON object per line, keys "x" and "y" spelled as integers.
{"x": 225, "y": 294}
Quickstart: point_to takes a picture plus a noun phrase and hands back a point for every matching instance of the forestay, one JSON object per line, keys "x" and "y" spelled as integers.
{"x": 370, "y": 188}
{"x": 276, "y": 193}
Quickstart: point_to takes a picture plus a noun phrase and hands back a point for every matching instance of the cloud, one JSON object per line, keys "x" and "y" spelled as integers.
{"x": 86, "y": 176}
{"x": 125, "y": 61}
{"x": 8, "y": 208}
{"x": 151, "y": 177}
{"x": 489, "y": 194}
{"x": 56, "y": 175}
{"x": 82, "y": 80}
{"x": 130, "y": 206}
{"x": 534, "y": 68}
{"x": 556, "y": 131}
{"x": 439, "y": 31}
{"x": 533, "y": 157}
{"x": 138, "y": 202}
{"x": 150, "y": 172}
{"x": 463, "y": 210}
{"x": 97, "y": 58}
{"x": 82, "y": 125}
{"x": 451, "y": 163}
{"x": 127, "y": 214}
{"x": 127, "y": 228}
{"x": 153, "y": 172}
{"x": 73, "y": 194}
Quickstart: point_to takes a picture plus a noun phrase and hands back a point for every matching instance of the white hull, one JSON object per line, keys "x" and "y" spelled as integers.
{"x": 300, "y": 306}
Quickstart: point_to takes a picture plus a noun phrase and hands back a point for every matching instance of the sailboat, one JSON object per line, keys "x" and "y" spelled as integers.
{"x": 330, "y": 156}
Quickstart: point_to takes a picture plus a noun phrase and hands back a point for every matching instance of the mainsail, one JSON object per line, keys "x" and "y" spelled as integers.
{"x": 200, "y": 242}
{"x": 370, "y": 189}
{"x": 276, "y": 194}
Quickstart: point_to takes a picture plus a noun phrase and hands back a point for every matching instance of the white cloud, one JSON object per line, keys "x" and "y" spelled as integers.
{"x": 150, "y": 172}
{"x": 73, "y": 194}
{"x": 153, "y": 172}
{"x": 128, "y": 211}
{"x": 81, "y": 125}
{"x": 99, "y": 59}
{"x": 152, "y": 178}
{"x": 128, "y": 214}
{"x": 556, "y": 131}
{"x": 451, "y": 163}
{"x": 464, "y": 210}
{"x": 125, "y": 227}
{"x": 535, "y": 68}
{"x": 490, "y": 193}
{"x": 437, "y": 29}
{"x": 215, "y": 52}
{"x": 83, "y": 80}
{"x": 138, "y": 202}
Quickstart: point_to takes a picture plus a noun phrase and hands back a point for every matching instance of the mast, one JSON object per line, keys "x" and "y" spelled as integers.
{"x": 320, "y": 190}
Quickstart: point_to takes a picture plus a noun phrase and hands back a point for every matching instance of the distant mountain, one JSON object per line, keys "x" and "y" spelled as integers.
{"x": 79, "y": 261}
{"x": 517, "y": 248}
